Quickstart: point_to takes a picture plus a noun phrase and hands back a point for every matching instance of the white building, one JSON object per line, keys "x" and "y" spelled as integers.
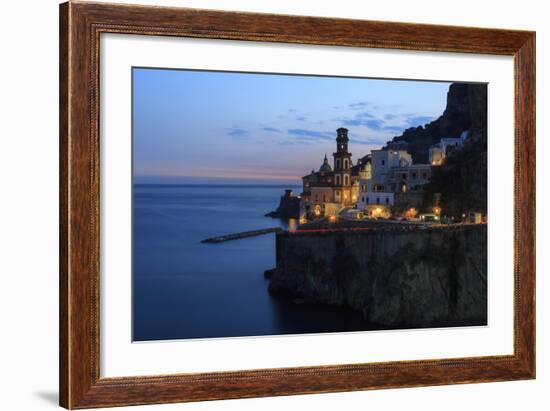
{"x": 383, "y": 161}
{"x": 411, "y": 177}
{"x": 446, "y": 145}
{"x": 390, "y": 174}
{"x": 376, "y": 187}
{"x": 374, "y": 199}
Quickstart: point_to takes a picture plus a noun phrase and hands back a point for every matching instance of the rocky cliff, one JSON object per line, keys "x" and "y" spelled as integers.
{"x": 466, "y": 109}
{"x": 418, "y": 278}
{"x": 462, "y": 179}
{"x": 289, "y": 206}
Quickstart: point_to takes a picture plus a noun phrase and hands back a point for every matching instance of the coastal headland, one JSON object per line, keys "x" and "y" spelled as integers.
{"x": 396, "y": 275}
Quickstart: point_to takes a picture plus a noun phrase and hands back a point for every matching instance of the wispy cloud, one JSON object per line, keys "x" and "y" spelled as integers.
{"x": 364, "y": 114}
{"x": 371, "y": 140}
{"x": 394, "y": 129}
{"x": 359, "y": 105}
{"x": 389, "y": 116}
{"x": 372, "y": 123}
{"x": 300, "y": 132}
{"x": 271, "y": 129}
{"x": 375, "y": 124}
{"x": 357, "y": 141}
{"x": 237, "y": 132}
{"x": 351, "y": 122}
{"x": 295, "y": 141}
{"x": 416, "y": 120}
{"x": 301, "y": 118}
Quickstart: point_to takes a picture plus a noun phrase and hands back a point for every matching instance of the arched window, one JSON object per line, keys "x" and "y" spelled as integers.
{"x": 346, "y": 179}
{"x": 337, "y": 179}
{"x": 337, "y": 164}
{"x": 345, "y": 163}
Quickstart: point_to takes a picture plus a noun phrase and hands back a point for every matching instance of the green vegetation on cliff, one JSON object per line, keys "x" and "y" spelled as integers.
{"x": 466, "y": 109}
{"x": 462, "y": 179}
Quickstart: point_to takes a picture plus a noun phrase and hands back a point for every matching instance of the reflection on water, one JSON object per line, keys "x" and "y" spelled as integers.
{"x": 185, "y": 289}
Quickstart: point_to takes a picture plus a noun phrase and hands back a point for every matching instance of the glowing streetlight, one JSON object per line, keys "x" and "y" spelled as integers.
{"x": 411, "y": 213}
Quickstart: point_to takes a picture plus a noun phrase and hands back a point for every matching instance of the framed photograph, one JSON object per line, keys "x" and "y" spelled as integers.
{"x": 258, "y": 205}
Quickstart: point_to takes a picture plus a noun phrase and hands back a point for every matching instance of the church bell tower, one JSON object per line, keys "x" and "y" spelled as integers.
{"x": 342, "y": 167}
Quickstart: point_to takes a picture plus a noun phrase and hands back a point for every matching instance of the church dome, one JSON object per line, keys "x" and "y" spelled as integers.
{"x": 325, "y": 167}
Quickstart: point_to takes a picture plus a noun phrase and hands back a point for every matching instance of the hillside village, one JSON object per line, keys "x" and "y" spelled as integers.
{"x": 436, "y": 171}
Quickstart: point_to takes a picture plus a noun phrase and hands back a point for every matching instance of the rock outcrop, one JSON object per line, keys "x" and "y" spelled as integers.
{"x": 466, "y": 110}
{"x": 289, "y": 206}
{"x": 420, "y": 278}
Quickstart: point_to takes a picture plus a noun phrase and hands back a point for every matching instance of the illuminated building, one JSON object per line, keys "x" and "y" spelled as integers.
{"x": 391, "y": 181}
{"x": 446, "y": 145}
{"x": 327, "y": 191}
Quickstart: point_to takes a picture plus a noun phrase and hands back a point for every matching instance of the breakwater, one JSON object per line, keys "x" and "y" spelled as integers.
{"x": 422, "y": 277}
{"x": 244, "y": 234}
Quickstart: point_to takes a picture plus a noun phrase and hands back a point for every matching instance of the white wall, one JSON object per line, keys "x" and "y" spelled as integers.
{"x": 28, "y": 206}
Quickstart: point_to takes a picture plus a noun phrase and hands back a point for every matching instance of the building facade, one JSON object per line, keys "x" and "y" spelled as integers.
{"x": 382, "y": 183}
{"x": 446, "y": 145}
{"x": 330, "y": 189}
{"x": 393, "y": 181}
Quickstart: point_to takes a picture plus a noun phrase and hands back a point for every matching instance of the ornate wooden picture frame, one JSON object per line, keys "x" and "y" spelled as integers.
{"x": 81, "y": 24}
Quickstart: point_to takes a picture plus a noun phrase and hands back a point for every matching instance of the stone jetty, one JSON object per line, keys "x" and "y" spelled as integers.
{"x": 244, "y": 234}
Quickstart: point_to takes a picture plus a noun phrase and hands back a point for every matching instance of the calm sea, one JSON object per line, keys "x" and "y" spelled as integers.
{"x": 185, "y": 289}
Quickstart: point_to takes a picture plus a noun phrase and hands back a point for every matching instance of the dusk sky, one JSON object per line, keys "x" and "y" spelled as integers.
{"x": 204, "y": 126}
